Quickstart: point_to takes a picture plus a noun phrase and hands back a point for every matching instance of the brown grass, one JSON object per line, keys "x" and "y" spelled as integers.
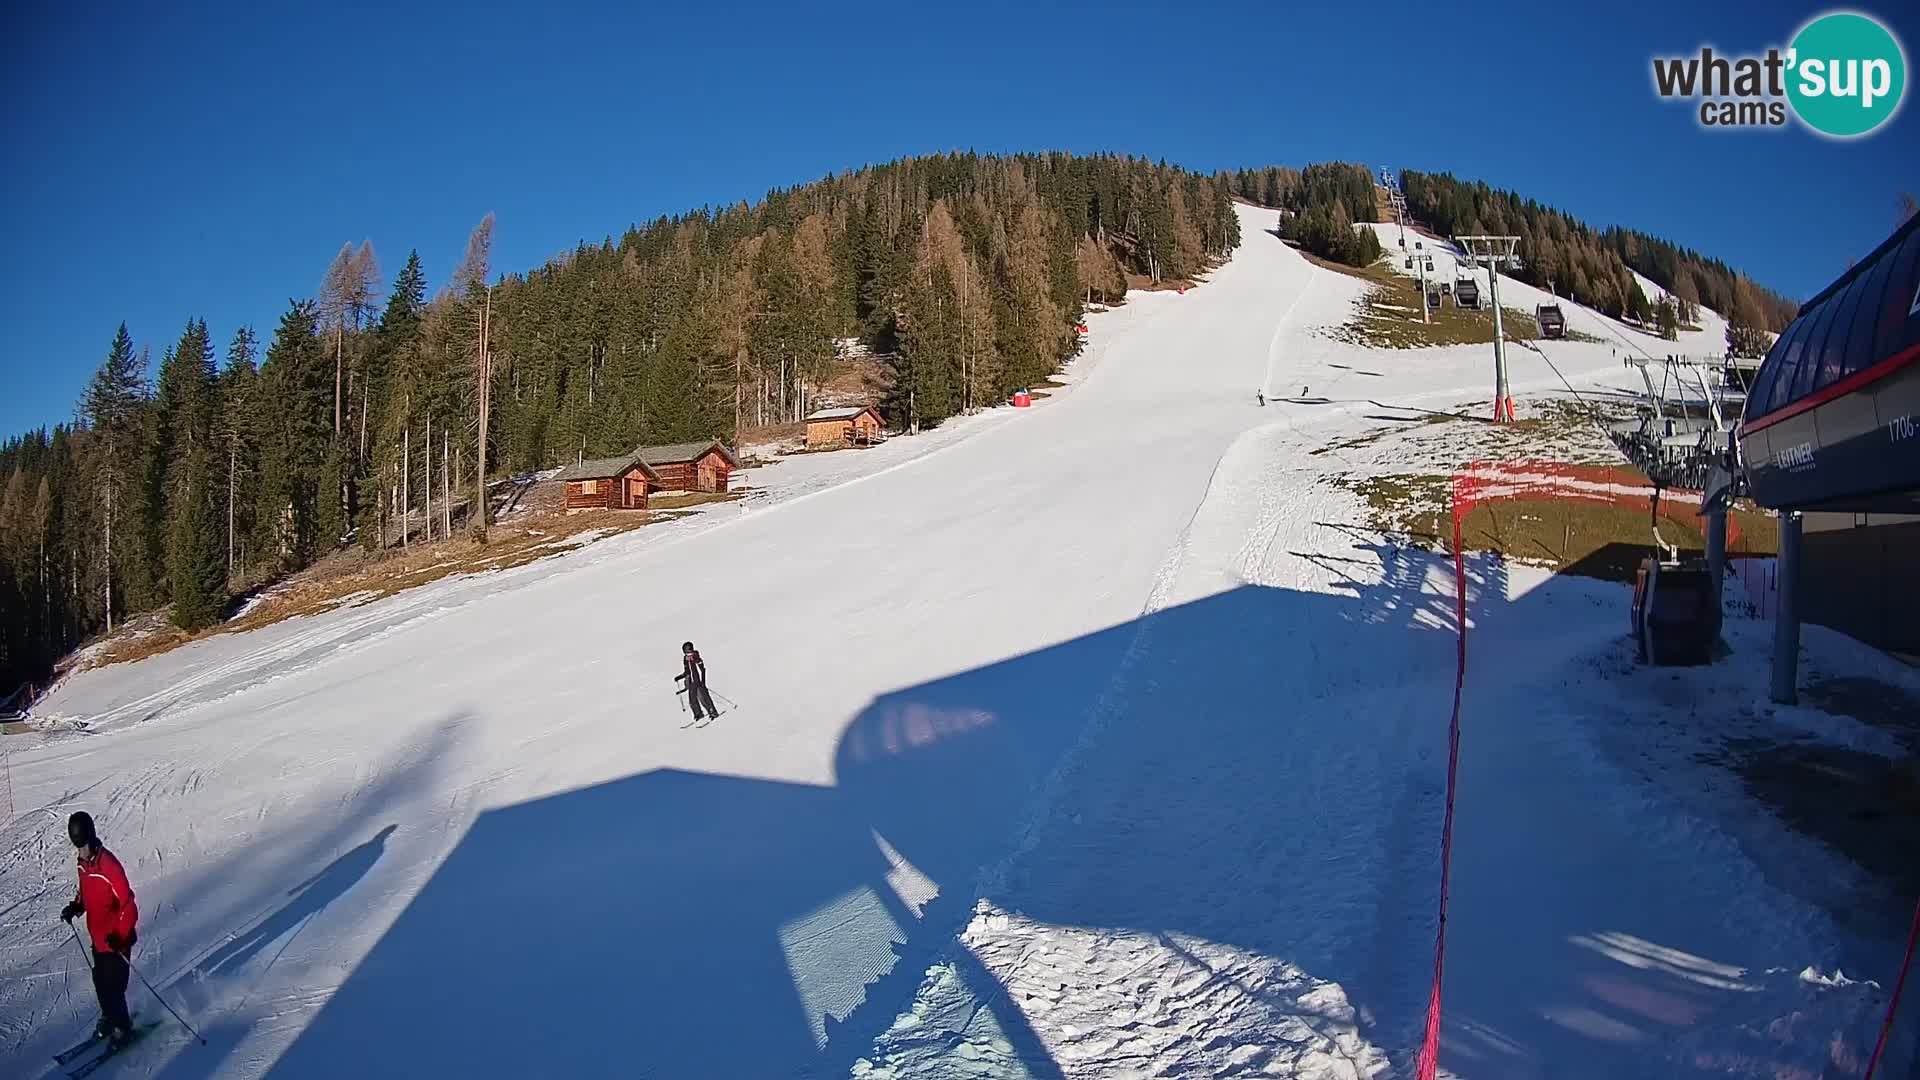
{"x": 1570, "y": 535}
{"x": 1329, "y": 264}
{"x": 862, "y": 379}
{"x": 368, "y": 576}
{"x": 680, "y": 500}
{"x": 1143, "y": 283}
{"x": 1388, "y": 317}
{"x": 771, "y": 433}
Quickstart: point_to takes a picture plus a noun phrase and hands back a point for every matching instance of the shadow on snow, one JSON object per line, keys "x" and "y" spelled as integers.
{"x": 1290, "y": 745}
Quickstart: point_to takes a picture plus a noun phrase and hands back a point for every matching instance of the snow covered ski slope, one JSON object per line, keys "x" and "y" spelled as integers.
{"x": 1084, "y": 740}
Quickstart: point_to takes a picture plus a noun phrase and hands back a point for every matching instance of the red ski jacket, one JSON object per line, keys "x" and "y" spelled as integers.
{"x": 108, "y": 898}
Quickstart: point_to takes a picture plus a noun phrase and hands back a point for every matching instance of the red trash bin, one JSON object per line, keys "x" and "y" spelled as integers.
{"x": 1022, "y": 399}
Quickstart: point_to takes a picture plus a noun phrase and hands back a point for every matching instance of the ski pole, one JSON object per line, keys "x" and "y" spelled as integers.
{"x": 163, "y": 1001}
{"x": 680, "y": 701}
{"x": 85, "y": 953}
{"x": 731, "y": 704}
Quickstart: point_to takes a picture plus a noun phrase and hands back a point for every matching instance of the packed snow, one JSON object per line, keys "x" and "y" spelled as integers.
{"x": 1101, "y": 738}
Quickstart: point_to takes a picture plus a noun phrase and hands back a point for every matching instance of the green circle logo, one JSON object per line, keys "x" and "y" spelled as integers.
{"x": 1846, "y": 74}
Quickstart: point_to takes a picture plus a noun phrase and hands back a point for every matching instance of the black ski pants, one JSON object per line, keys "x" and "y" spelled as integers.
{"x": 698, "y": 694}
{"x": 110, "y": 973}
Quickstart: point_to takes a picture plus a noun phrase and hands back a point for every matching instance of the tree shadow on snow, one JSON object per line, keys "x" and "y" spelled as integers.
{"x": 1268, "y": 776}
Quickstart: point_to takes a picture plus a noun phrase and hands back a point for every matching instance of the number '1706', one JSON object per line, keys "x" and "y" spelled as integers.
{"x": 1900, "y": 427}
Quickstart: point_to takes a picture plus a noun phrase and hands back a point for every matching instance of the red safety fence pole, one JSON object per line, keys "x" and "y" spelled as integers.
{"x": 1886, "y": 1026}
{"x": 1428, "y": 1064}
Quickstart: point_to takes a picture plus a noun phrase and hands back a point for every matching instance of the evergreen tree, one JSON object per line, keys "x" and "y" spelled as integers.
{"x": 296, "y": 423}
{"x": 1667, "y": 318}
{"x": 1634, "y": 300}
{"x": 183, "y": 416}
{"x": 237, "y": 441}
{"x": 197, "y": 550}
{"x": 112, "y": 407}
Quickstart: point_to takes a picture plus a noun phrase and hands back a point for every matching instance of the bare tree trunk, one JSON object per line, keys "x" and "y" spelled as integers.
{"x": 108, "y": 552}
{"x": 429, "y": 462}
{"x": 406, "y": 481}
{"x": 232, "y": 456}
{"x": 481, "y": 511}
{"x": 339, "y": 353}
{"x": 446, "y": 490}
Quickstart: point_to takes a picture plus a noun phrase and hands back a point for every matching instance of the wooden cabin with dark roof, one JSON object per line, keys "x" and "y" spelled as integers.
{"x": 615, "y": 483}
{"x": 692, "y": 466}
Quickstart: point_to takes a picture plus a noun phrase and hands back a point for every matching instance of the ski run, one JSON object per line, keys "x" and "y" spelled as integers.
{"x": 1104, "y": 738}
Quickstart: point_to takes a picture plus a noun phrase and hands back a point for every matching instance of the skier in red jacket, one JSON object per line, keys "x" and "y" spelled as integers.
{"x": 106, "y": 899}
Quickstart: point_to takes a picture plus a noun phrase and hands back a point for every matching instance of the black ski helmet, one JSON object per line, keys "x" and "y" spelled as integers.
{"x": 686, "y": 646}
{"x": 80, "y": 829}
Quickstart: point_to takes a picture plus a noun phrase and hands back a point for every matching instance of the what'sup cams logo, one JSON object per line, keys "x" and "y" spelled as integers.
{"x": 1844, "y": 75}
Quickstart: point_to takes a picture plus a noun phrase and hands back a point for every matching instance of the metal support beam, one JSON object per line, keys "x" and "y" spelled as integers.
{"x": 1786, "y": 624}
{"x": 1495, "y": 252}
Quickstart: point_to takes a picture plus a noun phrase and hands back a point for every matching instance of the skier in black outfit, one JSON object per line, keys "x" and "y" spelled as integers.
{"x": 695, "y": 676}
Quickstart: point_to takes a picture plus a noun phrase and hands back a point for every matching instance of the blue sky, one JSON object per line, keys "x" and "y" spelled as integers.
{"x": 207, "y": 160}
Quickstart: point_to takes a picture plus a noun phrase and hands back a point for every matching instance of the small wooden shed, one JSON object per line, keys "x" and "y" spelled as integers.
{"x": 831, "y": 428}
{"x": 615, "y": 483}
{"x": 694, "y": 466}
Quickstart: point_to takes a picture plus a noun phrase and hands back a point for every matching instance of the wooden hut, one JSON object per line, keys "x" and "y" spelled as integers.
{"x": 694, "y": 466}
{"x": 615, "y": 483}
{"x": 830, "y": 429}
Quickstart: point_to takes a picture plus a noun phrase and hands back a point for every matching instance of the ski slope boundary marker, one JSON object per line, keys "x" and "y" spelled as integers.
{"x": 1427, "y": 1064}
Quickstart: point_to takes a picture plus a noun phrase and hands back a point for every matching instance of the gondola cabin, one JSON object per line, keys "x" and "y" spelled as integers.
{"x": 1832, "y": 430}
{"x": 1553, "y": 324}
{"x": 1833, "y": 418}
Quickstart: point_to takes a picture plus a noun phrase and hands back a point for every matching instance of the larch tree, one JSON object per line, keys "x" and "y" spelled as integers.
{"x": 1746, "y": 322}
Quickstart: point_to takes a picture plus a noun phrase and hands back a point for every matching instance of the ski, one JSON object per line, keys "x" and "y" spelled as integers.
{"x": 87, "y": 1067}
{"x": 77, "y": 1049}
{"x": 84, "y": 1045}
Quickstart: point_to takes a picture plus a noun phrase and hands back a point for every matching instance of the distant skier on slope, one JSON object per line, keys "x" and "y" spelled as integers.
{"x": 694, "y": 674}
{"x": 106, "y": 899}
{"x": 1262, "y": 395}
